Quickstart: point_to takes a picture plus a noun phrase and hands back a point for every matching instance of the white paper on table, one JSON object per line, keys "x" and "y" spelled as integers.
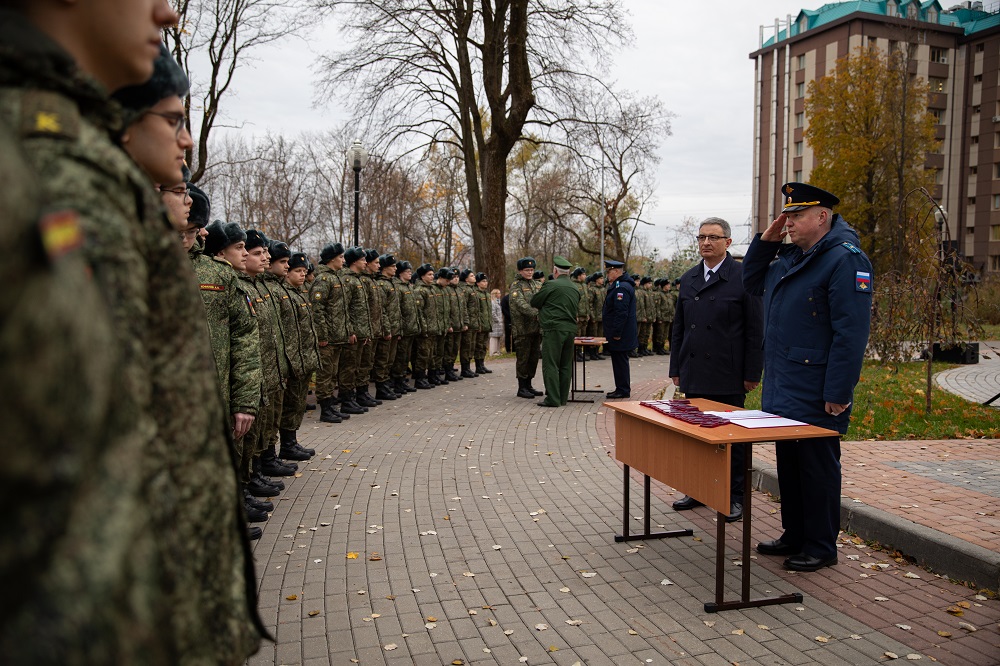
{"x": 774, "y": 422}
{"x": 744, "y": 414}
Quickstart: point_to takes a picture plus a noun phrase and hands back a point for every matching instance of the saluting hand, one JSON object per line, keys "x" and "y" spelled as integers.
{"x": 776, "y": 231}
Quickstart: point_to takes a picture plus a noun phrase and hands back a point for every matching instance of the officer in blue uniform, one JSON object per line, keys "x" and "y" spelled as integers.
{"x": 817, "y": 293}
{"x": 620, "y": 326}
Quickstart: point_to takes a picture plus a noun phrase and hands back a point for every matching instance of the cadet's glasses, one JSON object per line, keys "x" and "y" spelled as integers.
{"x": 176, "y": 120}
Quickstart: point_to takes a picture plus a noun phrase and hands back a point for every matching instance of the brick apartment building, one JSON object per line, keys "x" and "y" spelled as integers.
{"x": 957, "y": 53}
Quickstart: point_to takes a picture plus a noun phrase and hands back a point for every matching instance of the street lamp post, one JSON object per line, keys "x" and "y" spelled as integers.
{"x": 357, "y": 157}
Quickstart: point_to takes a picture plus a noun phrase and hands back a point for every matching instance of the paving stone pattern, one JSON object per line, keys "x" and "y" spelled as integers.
{"x": 453, "y": 523}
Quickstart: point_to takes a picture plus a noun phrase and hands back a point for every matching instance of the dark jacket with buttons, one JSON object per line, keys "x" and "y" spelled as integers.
{"x": 817, "y": 314}
{"x": 718, "y": 333}
{"x": 620, "y": 325}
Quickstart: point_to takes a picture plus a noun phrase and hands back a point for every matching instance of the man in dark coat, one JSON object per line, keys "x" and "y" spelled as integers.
{"x": 620, "y": 325}
{"x": 717, "y": 342}
{"x": 817, "y": 314}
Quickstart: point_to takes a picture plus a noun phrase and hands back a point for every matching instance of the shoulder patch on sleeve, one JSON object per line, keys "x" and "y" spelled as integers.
{"x": 205, "y": 286}
{"x": 45, "y": 113}
{"x": 863, "y": 281}
{"x": 852, "y": 247}
{"x": 60, "y": 233}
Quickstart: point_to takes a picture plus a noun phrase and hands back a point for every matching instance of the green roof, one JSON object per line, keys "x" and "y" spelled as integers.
{"x": 970, "y": 20}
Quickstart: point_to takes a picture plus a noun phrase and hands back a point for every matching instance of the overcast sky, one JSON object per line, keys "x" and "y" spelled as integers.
{"x": 694, "y": 56}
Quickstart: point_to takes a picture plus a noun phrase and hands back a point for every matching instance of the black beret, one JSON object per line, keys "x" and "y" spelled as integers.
{"x": 677, "y": 281}
{"x": 423, "y": 269}
{"x": 279, "y": 250}
{"x": 525, "y": 262}
{"x": 386, "y": 260}
{"x": 578, "y": 271}
{"x": 256, "y": 239}
{"x": 480, "y": 277}
{"x": 221, "y": 235}
{"x": 330, "y": 252}
{"x": 371, "y": 255}
{"x": 645, "y": 280}
{"x": 444, "y": 274}
{"x": 298, "y": 260}
{"x": 539, "y": 275}
{"x": 353, "y": 254}
{"x": 403, "y": 266}
{"x": 168, "y": 80}
{"x": 464, "y": 275}
{"x": 201, "y": 209}
{"x": 657, "y": 282}
{"x": 310, "y": 268}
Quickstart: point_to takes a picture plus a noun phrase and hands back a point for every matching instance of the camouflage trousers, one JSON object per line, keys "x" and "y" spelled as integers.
{"x": 645, "y": 328}
{"x": 293, "y": 405}
{"x": 581, "y": 327}
{"x": 595, "y": 328}
{"x": 423, "y": 353}
{"x": 440, "y": 350}
{"x": 385, "y": 350}
{"x": 329, "y": 367}
{"x": 404, "y": 349}
{"x": 481, "y": 346}
{"x": 527, "y": 348}
{"x": 659, "y": 334}
{"x": 468, "y": 344}
{"x": 366, "y": 362}
{"x": 265, "y": 426}
{"x": 350, "y": 358}
{"x": 454, "y": 341}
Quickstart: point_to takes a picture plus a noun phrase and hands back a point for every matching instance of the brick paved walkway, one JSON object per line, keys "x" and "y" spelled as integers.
{"x": 476, "y": 516}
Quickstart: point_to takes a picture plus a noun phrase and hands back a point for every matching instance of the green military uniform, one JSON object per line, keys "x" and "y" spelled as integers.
{"x": 664, "y": 315}
{"x": 425, "y": 297}
{"x": 456, "y": 308}
{"x": 642, "y": 314}
{"x": 358, "y": 325}
{"x": 409, "y": 330}
{"x": 470, "y": 311}
{"x": 485, "y": 315}
{"x": 524, "y": 326}
{"x": 583, "y": 311}
{"x": 443, "y": 303}
{"x": 293, "y": 407}
{"x": 557, "y": 302}
{"x": 330, "y": 319}
{"x": 157, "y": 564}
{"x": 378, "y": 332}
{"x": 595, "y": 329}
{"x": 273, "y": 363}
{"x": 392, "y": 325}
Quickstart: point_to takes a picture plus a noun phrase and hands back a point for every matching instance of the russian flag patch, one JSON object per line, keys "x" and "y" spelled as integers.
{"x": 863, "y": 282}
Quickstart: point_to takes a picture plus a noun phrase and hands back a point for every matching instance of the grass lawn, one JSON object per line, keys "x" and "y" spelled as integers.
{"x": 890, "y": 406}
{"x": 991, "y": 331}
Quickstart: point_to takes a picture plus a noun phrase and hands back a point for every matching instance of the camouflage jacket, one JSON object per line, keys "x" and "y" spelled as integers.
{"x": 524, "y": 318}
{"x": 485, "y": 309}
{"x": 456, "y": 308}
{"x": 391, "y": 313}
{"x": 289, "y": 318}
{"x": 374, "y": 296}
{"x": 160, "y": 563}
{"x": 308, "y": 343}
{"x": 232, "y": 329}
{"x": 356, "y": 300}
{"x": 641, "y": 304}
{"x": 596, "y": 295}
{"x": 467, "y": 292}
{"x": 583, "y": 310}
{"x": 669, "y": 304}
{"x": 272, "y": 373}
{"x": 408, "y": 315}
{"x": 443, "y": 303}
{"x": 426, "y": 298}
{"x": 329, "y": 306}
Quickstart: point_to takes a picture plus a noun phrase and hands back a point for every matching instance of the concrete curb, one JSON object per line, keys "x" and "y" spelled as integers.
{"x": 939, "y": 552}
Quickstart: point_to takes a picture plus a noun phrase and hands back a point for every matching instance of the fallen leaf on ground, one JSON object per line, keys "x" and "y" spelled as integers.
{"x": 944, "y": 634}
{"x": 968, "y": 627}
{"x": 352, "y": 556}
{"x": 588, "y": 574}
{"x": 431, "y": 618}
{"x": 431, "y": 625}
{"x": 737, "y": 632}
{"x": 964, "y": 604}
{"x": 469, "y": 574}
{"x": 292, "y": 597}
{"x": 508, "y": 632}
{"x": 904, "y": 627}
{"x": 633, "y": 632}
{"x": 822, "y": 639}
{"x": 541, "y": 627}
{"x": 313, "y": 613}
{"x": 391, "y": 646}
{"x": 666, "y": 581}
{"x": 564, "y": 589}
{"x": 574, "y": 623}
{"x": 890, "y": 655}
{"x": 910, "y": 574}
{"x": 764, "y": 627}
{"x": 881, "y": 598}
{"x": 956, "y": 611}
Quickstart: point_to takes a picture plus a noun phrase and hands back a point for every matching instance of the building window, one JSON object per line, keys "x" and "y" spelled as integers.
{"x": 938, "y": 176}
{"x": 995, "y": 232}
{"x": 996, "y": 202}
{"x": 800, "y": 119}
{"x": 891, "y": 9}
{"x": 978, "y": 78}
{"x": 801, "y": 64}
{"x": 938, "y": 115}
{"x": 995, "y": 262}
{"x": 911, "y": 10}
{"x": 798, "y": 149}
{"x": 936, "y": 85}
{"x": 937, "y": 54}
{"x": 932, "y": 15}
{"x": 973, "y": 170}
{"x": 972, "y": 201}
{"x": 974, "y": 140}
{"x": 996, "y": 171}
{"x": 980, "y": 48}
{"x": 975, "y": 109}
{"x": 997, "y": 139}
{"x": 800, "y": 89}
{"x": 797, "y": 176}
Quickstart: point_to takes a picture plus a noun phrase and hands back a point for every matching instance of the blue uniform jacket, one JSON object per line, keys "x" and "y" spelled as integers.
{"x": 817, "y": 315}
{"x": 717, "y": 337}
{"x": 619, "y": 315}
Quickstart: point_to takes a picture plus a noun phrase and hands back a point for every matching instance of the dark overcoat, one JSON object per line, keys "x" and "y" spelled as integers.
{"x": 619, "y": 315}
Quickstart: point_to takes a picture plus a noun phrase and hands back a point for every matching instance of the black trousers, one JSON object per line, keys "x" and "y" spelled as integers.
{"x": 623, "y": 378}
{"x": 737, "y": 461}
{"x": 809, "y": 483}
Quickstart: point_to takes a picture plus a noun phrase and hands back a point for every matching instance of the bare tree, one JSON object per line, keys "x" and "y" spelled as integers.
{"x": 226, "y": 32}
{"x": 470, "y": 74}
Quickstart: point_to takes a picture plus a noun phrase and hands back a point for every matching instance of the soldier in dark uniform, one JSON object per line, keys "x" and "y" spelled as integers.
{"x": 525, "y": 332}
{"x": 558, "y": 305}
{"x": 817, "y": 293}
{"x": 620, "y": 326}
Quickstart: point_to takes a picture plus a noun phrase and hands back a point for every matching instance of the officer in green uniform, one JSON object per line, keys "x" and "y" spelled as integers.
{"x": 330, "y": 319}
{"x": 359, "y": 332}
{"x": 557, "y": 303}
{"x": 293, "y": 405}
{"x": 114, "y": 589}
{"x": 392, "y": 325}
{"x": 485, "y": 323}
{"x": 425, "y": 296}
{"x": 595, "y": 329}
{"x": 409, "y": 327}
{"x": 524, "y": 326}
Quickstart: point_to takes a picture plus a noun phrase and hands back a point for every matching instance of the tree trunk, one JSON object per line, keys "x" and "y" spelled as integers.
{"x": 488, "y": 233}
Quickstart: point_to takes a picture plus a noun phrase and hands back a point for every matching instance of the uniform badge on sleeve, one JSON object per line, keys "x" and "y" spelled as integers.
{"x": 619, "y": 296}
{"x": 863, "y": 281}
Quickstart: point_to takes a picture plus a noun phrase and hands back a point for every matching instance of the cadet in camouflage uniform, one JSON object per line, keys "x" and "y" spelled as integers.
{"x": 410, "y": 327}
{"x": 662, "y": 315}
{"x": 425, "y": 296}
{"x": 470, "y": 311}
{"x": 443, "y": 304}
{"x": 642, "y": 307}
{"x": 579, "y": 277}
{"x": 459, "y": 325}
{"x": 293, "y": 406}
{"x": 524, "y": 326}
{"x": 378, "y": 330}
{"x": 300, "y": 349}
{"x": 385, "y": 350}
{"x": 359, "y": 331}
{"x": 152, "y": 565}
{"x": 595, "y": 329}
{"x": 330, "y": 319}
{"x": 671, "y": 289}
{"x": 485, "y": 315}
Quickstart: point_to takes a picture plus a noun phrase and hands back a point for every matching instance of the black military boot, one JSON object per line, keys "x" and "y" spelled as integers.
{"x": 523, "y": 390}
{"x": 441, "y": 376}
{"x": 481, "y": 367}
{"x": 451, "y": 375}
{"x": 250, "y": 500}
{"x": 259, "y": 486}
{"x": 579, "y": 356}
{"x": 327, "y": 413}
{"x": 403, "y": 385}
{"x": 420, "y": 380}
{"x": 532, "y": 388}
{"x": 290, "y": 449}
{"x": 383, "y": 392}
{"x": 365, "y": 399}
{"x": 347, "y": 404}
{"x": 255, "y": 515}
{"x": 309, "y": 405}
{"x": 254, "y": 533}
{"x": 466, "y": 372}
{"x": 271, "y": 466}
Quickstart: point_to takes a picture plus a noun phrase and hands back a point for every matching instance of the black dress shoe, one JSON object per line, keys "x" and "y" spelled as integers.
{"x": 805, "y": 562}
{"x": 545, "y": 404}
{"x": 735, "y": 512}
{"x": 255, "y": 515}
{"x": 254, "y": 533}
{"x": 685, "y": 503}
{"x": 618, "y": 394}
{"x": 777, "y": 547}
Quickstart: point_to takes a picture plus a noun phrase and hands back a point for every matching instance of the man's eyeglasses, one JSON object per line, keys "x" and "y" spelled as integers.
{"x": 181, "y": 190}
{"x": 190, "y": 233}
{"x": 175, "y": 119}
{"x": 712, "y": 239}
